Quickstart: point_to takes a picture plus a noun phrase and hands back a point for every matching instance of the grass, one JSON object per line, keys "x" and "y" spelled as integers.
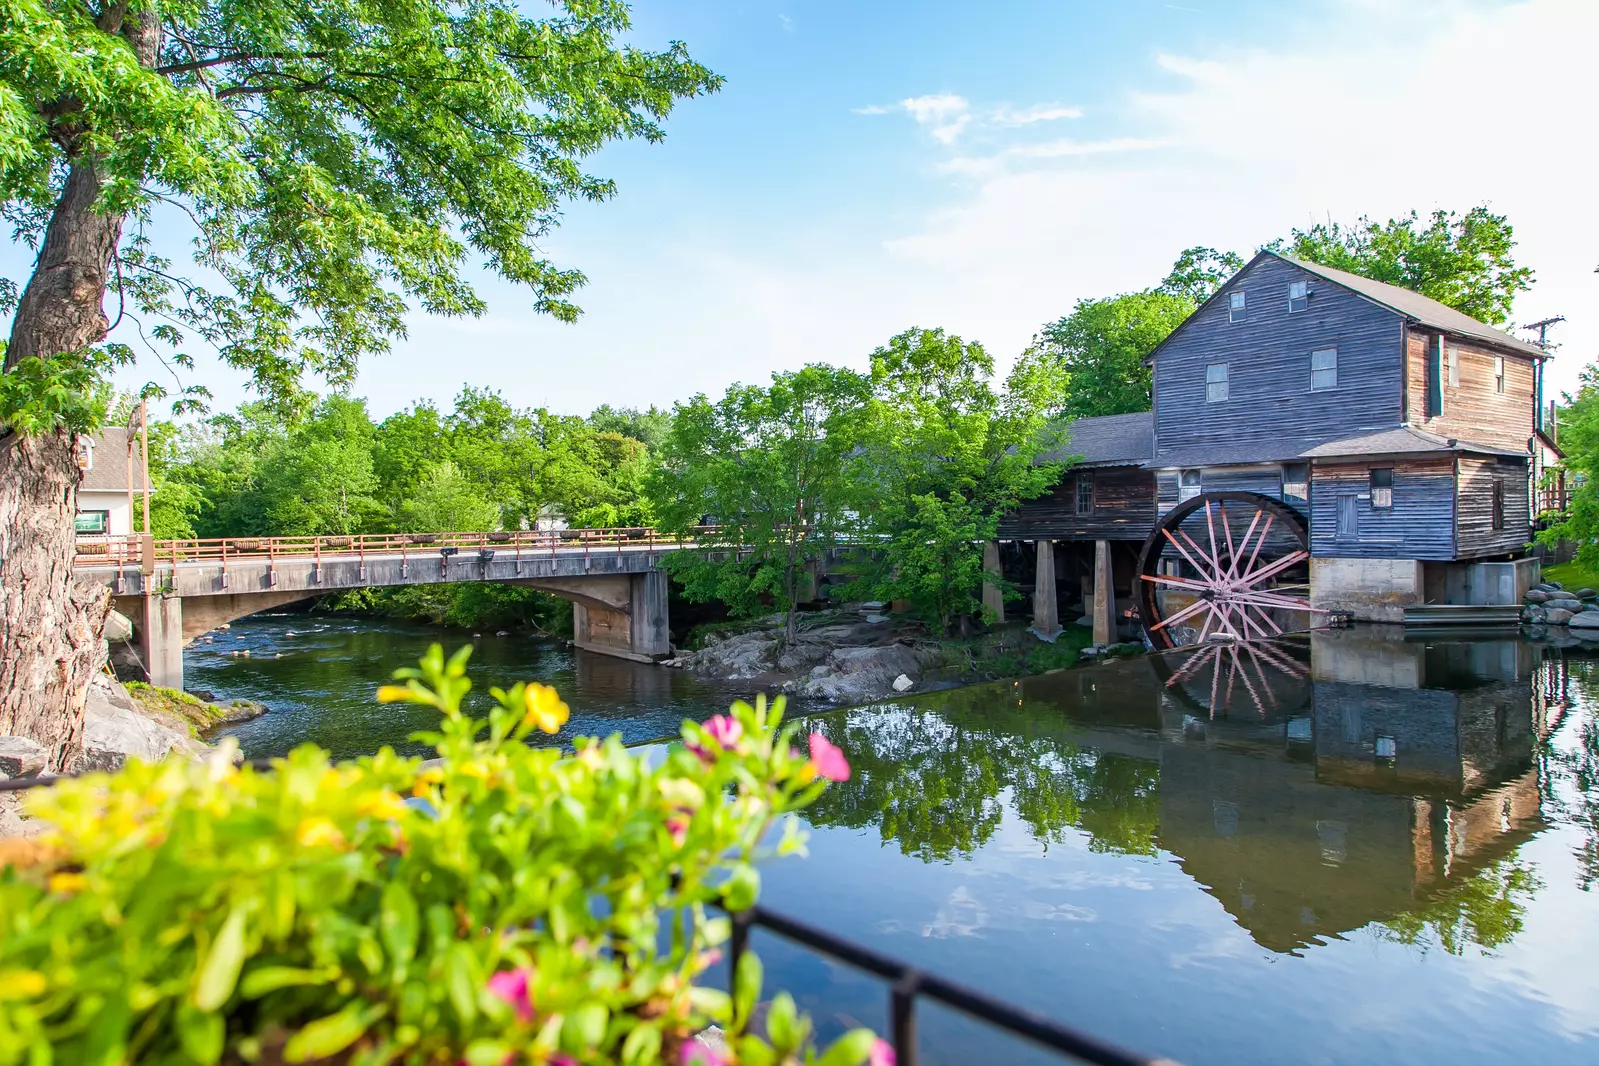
{"x": 1010, "y": 652}
{"x": 1572, "y": 575}
{"x": 172, "y": 703}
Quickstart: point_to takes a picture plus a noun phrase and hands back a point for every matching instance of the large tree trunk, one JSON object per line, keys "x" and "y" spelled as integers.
{"x": 50, "y": 643}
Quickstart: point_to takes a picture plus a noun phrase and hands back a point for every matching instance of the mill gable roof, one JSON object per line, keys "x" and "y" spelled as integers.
{"x": 1405, "y": 440}
{"x": 1406, "y": 303}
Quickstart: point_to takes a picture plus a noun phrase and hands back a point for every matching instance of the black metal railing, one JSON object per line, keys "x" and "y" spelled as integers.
{"x": 908, "y": 984}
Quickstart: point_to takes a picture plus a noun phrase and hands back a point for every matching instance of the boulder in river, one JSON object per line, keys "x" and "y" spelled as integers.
{"x": 1558, "y": 616}
{"x": 1585, "y": 620}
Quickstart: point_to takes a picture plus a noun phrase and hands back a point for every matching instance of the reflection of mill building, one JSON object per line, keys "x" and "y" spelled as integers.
{"x": 1363, "y": 788}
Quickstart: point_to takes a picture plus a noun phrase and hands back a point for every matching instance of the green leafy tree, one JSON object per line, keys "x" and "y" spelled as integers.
{"x": 1579, "y": 437}
{"x": 942, "y": 457}
{"x": 650, "y": 427}
{"x": 1464, "y": 261}
{"x": 1101, "y": 346}
{"x": 406, "y": 445}
{"x": 319, "y": 479}
{"x": 1199, "y": 272}
{"x": 766, "y": 466}
{"x": 445, "y": 501}
{"x": 339, "y": 164}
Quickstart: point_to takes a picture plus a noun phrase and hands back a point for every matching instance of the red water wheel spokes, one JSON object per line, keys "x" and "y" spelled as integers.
{"x": 1199, "y": 575}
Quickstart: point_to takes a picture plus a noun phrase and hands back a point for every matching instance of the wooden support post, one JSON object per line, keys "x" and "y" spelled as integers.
{"x": 1104, "y": 595}
{"x": 1046, "y": 612}
{"x": 993, "y": 595}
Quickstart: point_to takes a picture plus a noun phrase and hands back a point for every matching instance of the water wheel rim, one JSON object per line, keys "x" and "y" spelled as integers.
{"x": 1231, "y": 592}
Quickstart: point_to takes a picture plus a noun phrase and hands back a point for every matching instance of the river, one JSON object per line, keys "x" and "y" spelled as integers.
{"x": 1348, "y": 849}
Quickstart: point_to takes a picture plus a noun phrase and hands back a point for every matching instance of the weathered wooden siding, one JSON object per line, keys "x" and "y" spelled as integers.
{"x": 1473, "y": 411}
{"x": 1474, "y": 509}
{"x": 1271, "y": 412}
{"x": 1420, "y": 525}
{"x": 1124, "y": 509}
{"x": 1263, "y": 480}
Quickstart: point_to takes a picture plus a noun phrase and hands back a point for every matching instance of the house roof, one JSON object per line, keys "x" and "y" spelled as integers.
{"x": 1419, "y": 308}
{"x": 1402, "y": 441}
{"x": 1225, "y": 455}
{"x": 110, "y": 470}
{"x": 1108, "y": 440}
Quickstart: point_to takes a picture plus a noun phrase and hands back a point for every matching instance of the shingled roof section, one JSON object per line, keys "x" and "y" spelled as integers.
{"x": 110, "y": 470}
{"x": 1414, "y": 305}
{"x": 1108, "y": 440}
{"x": 1402, "y": 441}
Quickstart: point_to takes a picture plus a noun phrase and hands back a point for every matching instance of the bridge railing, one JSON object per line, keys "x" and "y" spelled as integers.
{"x": 134, "y": 549}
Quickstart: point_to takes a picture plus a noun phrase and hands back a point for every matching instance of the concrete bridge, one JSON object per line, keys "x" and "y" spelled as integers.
{"x": 175, "y": 590}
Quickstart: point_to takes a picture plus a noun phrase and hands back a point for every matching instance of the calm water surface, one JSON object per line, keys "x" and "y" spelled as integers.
{"x": 1347, "y": 850}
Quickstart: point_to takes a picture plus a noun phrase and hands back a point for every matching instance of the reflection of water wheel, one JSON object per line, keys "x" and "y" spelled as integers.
{"x": 1272, "y": 677}
{"x": 1198, "y": 576}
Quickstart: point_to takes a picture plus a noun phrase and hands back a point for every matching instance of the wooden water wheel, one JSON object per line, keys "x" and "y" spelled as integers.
{"x": 1232, "y": 564}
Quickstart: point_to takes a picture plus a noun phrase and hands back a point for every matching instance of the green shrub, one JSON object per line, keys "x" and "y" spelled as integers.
{"x": 520, "y": 907}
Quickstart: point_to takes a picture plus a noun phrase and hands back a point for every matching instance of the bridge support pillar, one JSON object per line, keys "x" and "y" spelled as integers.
{"x": 1046, "y": 611}
{"x": 1104, "y": 594}
{"x": 638, "y": 631}
{"x": 993, "y": 595}
{"x": 161, "y": 640}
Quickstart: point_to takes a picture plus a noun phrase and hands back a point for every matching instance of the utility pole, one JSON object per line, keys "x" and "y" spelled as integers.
{"x": 1542, "y": 326}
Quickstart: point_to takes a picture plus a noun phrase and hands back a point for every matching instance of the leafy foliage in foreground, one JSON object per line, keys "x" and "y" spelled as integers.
{"x": 522, "y": 907}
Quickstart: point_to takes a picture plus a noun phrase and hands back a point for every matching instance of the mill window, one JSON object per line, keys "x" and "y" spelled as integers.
{"x": 1188, "y": 485}
{"x": 1296, "y": 481}
{"x": 1298, "y": 296}
{"x": 1324, "y": 369}
{"x": 1085, "y": 493}
{"x": 1235, "y": 307}
{"x": 1454, "y": 368}
{"x": 1498, "y": 504}
{"x": 1215, "y": 382}
{"x": 1382, "y": 487}
{"x": 1499, "y": 373}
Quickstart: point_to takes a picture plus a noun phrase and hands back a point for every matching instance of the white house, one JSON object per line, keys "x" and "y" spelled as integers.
{"x": 103, "y": 492}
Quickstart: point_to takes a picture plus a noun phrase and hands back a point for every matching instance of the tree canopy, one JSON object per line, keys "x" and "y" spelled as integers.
{"x": 1463, "y": 261}
{"x": 337, "y": 163}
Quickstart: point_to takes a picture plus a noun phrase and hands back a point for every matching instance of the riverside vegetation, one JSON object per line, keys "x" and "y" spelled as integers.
{"x": 505, "y": 904}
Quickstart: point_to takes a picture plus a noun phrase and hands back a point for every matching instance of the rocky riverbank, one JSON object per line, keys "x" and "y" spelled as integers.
{"x": 1550, "y": 610}
{"x": 853, "y": 656}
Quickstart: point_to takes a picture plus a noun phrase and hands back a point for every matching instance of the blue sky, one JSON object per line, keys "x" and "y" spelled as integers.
{"x": 873, "y": 166}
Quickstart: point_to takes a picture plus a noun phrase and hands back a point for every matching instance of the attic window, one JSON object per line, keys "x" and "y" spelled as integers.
{"x": 1085, "y": 493}
{"x": 1188, "y": 485}
{"x": 1235, "y": 307}
{"x": 1298, "y": 296}
{"x": 1454, "y": 368}
{"x": 1499, "y": 373}
{"x": 1324, "y": 369}
{"x": 1215, "y": 382}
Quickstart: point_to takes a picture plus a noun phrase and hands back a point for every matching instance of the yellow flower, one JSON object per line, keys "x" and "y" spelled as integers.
{"x": 22, "y": 984}
{"x": 545, "y": 708}
{"x": 384, "y": 804}
{"x": 393, "y": 694}
{"x": 66, "y": 884}
{"x": 426, "y": 780}
{"x": 473, "y": 768}
{"x": 319, "y": 832}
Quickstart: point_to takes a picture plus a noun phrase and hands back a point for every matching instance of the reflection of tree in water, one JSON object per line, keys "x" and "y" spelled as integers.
{"x": 1579, "y": 766}
{"x": 1485, "y": 910}
{"x": 930, "y": 776}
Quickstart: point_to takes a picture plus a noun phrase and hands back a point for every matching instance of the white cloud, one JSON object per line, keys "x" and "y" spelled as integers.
{"x": 1355, "y": 118}
{"x": 788, "y": 23}
{"x": 944, "y": 115}
{"x": 1010, "y": 116}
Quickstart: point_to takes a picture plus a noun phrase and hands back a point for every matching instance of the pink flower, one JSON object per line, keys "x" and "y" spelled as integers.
{"x": 677, "y": 826}
{"x": 512, "y": 987}
{"x": 725, "y": 730}
{"x": 882, "y": 1054}
{"x": 563, "y": 1060}
{"x": 827, "y": 760}
{"x": 695, "y": 1053}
